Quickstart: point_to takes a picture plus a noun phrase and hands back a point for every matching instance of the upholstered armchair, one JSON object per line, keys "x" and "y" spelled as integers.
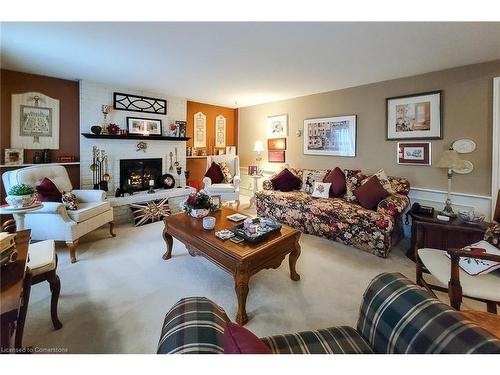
{"x": 53, "y": 221}
{"x": 227, "y": 192}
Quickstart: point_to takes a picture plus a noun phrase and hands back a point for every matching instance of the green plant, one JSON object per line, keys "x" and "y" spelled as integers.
{"x": 21, "y": 189}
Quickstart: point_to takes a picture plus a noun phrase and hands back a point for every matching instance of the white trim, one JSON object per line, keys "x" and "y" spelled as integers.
{"x": 495, "y": 160}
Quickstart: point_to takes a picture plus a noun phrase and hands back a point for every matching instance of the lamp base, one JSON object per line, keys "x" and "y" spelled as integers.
{"x": 448, "y": 210}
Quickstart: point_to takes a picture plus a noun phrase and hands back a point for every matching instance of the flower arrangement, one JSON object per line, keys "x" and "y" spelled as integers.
{"x": 113, "y": 129}
{"x": 199, "y": 204}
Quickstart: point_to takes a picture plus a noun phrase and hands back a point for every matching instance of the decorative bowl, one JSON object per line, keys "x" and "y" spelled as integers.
{"x": 96, "y": 129}
{"x": 21, "y": 201}
{"x": 471, "y": 217}
{"x": 209, "y": 222}
{"x": 199, "y": 212}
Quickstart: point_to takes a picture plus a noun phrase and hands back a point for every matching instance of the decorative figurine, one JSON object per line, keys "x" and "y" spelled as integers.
{"x": 179, "y": 171}
{"x": 186, "y": 174}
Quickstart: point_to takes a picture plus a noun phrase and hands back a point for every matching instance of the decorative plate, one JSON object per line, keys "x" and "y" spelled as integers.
{"x": 464, "y": 146}
{"x": 167, "y": 181}
{"x": 469, "y": 167}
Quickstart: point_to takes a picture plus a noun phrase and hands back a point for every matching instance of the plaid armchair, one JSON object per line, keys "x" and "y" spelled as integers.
{"x": 396, "y": 316}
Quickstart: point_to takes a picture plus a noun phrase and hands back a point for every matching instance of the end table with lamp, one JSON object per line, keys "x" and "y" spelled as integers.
{"x": 256, "y": 178}
{"x": 258, "y": 148}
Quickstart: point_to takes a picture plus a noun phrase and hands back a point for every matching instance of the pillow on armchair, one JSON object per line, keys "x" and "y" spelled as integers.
{"x": 215, "y": 173}
{"x": 47, "y": 191}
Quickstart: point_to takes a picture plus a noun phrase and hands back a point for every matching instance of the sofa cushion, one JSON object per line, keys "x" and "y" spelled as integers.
{"x": 226, "y": 172}
{"x": 285, "y": 181}
{"x": 336, "y": 340}
{"x": 337, "y": 179}
{"x": 370, "y": 193}
{"x": 42, "y": 257}
{"x": 383, "y": 179}
{"x": 88, "y": 210}
{"x": 150, "y": 212}
{"x": 69, "y": 200}
{"x": 309, "y": 176}
{"x": 353, "y": 178}
{"x": 215, "y": 173}
{"x": 221, "y": 188}
{"x": 321, "y": 189}
{"x": 47, "y": 191}
{"x": 239, "y": 340}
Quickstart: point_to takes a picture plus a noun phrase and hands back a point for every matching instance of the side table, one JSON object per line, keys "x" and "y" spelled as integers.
{"x": 18, "y": 214}
{"x": 256, "y": 179}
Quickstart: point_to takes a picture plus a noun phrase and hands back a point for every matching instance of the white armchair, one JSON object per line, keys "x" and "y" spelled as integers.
{"x": 227, "y": 192}
{"x": 53, "y": 221}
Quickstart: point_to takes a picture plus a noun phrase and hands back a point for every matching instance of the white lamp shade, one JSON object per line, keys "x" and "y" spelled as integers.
{"x": 259, "y": 146}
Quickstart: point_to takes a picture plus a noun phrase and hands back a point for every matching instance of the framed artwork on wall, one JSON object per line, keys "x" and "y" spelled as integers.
{"x": 276, "y": 156}
{"x": 276, "y": 144}
{"x": 139, "y": 125}
{"x": 414, "y": 153}
{"x": 200, "y": 130}
{"x": 14, "y": 156}
{"x": 415, "y": 116}
{"x": 333, "y": 136}
{"x": 136, "y": 103}
{"x": 220, "y": 131}
{"x": 277, "y": 126}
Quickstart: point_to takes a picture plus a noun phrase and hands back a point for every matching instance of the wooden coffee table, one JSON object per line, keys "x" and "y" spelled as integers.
{"x": 241, "y": 260}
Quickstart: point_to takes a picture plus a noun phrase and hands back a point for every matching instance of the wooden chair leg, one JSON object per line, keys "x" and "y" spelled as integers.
{"x": 111, "y": 228}
{"x": 55, "y": 288}
{"x": 72, "y": 245}
{"x": 237, "y": 204}
{"x": 491, "y": 306}
{"x": 23, "y": 311}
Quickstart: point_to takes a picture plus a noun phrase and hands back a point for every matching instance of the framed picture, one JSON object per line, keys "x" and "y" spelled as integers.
{"x": 276, "y": 156}
{"x": 181, "y": 128}
{"x": 138, "y": 125}
{"x": 414, "y": 153}
{"x": 14, "y": 156}
{"x": 200, "y": 130}
{"x": 252, "y": 170}
{"x": 334, "y": 136}
{"x": 216, "y": 200}
{"x": 276, "y": 144}
{"x": 220, "y": 131}
{"x": 277, "y": 126}
{"x": 414, "y": 116}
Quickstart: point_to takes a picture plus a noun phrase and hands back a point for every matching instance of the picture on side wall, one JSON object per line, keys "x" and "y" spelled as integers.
{"x": 138, "y": 125}
{"x": 276, "y": 144}
{"x": 200, "y": 130}
{"x": 277, "y": 126}
{"x": 414, "y": 116}
{"x": 414, "y": 153}
{"x": 333, "y": 136}
{"x": 220, "y": 131}
{"x": 275, "y": 156}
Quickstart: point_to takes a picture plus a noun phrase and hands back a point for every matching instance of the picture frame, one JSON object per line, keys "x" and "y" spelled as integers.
{"x": 277, "y": 126}
{"x": 217, "y": 201}
{"x": 137, "y": 103}
{"x": 139, "y": 125}
{"x": 181, "y": 129}
{"x": 252, "y": 170}
{"x": 220, "y": 131}
{"x": 331, "y": 136}
{"x": 200, "y": 130}
{"x": 14, "y": 156}
{"x": 276, "y": 156}
{"x": 414, "y": 153}
{"x": 276, "y": 144}
{"x": 416, "y": 116}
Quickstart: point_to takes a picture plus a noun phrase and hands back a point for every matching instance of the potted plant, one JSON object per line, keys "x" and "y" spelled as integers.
{"x": 21, "y": 195}
{"x": 199, "y": 204}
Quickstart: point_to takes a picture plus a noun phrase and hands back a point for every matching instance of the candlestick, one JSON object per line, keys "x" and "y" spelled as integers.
{"x": 151, "y": 182}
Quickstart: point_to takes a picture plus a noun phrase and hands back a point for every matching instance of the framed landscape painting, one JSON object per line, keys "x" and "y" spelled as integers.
{"x": 414, "y": 116}
{"x": 334, "y": 136}
{"x": 414, "y": 153}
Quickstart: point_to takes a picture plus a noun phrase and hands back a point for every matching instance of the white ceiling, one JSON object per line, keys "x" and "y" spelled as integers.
{"x": 241, "y": 64}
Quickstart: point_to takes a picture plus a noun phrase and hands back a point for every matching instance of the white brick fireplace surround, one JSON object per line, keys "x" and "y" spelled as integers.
{"x": 92, "y": 96}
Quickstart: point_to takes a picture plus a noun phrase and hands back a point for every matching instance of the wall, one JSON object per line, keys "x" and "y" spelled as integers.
{"x": 67, "y": 92}
{"x": 212, "y": 111}
{"x": 92, "y": 96}
{"x": 467, "y": 113}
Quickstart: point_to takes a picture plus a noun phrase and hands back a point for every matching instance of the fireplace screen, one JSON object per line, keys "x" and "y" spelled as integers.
{"x": 135, "y": 174}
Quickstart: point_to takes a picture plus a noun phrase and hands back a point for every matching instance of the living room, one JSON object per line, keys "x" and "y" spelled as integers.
{"x": 250, "y": 187}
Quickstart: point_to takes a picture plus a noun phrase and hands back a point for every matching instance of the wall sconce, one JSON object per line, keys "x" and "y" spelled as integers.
{"x": 298, "y": 133}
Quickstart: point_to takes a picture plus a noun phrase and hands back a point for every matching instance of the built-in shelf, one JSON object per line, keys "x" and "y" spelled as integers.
{"x": 196, "y": 157}
{"x": 136, "y": 137}
{"x": 29, "y": 165}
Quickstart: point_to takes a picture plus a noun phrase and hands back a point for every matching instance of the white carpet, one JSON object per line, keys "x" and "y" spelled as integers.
{"x": 113, "y": 300}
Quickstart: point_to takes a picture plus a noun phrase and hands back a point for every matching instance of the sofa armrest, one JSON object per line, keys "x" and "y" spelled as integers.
{"x": 55, "y": 208}
{"x": 398, "y": 316}
{"x": 206, "y": 182}
{"x": 236, "y": 182}
{"x": 194, "y": 325}
{"x": 89, "y": 195}
{"x": 393, "y": 205}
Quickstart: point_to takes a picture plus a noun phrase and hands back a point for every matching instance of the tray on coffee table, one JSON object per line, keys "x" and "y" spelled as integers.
{"x": 262, "y": 232}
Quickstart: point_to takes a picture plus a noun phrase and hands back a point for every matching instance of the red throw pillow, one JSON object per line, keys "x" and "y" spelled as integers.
{"x": 337, "y": 180}
{"x": 370, "y": 193}
{"x": 239, "y": 340}
{"x": 47, "y": 191}
{"x": 215, "y": 173}
{"x": 285, "y": 181}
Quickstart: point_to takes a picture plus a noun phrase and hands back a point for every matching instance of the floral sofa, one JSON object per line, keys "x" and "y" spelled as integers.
{"x": 341, "y": 219}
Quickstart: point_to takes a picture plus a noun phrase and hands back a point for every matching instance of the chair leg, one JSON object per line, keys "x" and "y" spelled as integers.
{"x": 111, "y": 229}
{"x": 72, "y": 245}
{"x": 237, "y": 204}
{"x": 55, "y": 288}
{"x": 491, "y": 306}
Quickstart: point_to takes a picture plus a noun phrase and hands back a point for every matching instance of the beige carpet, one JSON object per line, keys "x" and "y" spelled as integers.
{"x": 113, "y": 300}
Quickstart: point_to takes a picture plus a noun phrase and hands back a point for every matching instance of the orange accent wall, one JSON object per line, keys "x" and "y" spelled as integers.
{"x": 212, "y": 111}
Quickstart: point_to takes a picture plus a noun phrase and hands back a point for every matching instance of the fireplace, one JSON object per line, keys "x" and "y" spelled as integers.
{"x": 138, "y": 172}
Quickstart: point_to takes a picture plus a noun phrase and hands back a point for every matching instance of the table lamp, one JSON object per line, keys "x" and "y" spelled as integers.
{"x": 258, "y": 148}
{"x": 450, "y": 160}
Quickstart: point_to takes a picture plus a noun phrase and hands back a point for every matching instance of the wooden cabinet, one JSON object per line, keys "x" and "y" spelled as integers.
{"x": 197, "y": 166}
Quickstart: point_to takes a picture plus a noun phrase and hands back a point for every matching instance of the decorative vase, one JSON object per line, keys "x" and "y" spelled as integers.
{"x": 96, "y": 129}
{"x": 21, "y": 201}
{"x": 199, "y": 212}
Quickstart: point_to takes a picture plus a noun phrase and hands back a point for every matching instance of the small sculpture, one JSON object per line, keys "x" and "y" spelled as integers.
{"x": 142, "y": 146}
{"x": 179, "y": 171}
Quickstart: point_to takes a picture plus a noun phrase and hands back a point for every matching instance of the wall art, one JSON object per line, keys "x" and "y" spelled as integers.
{"x": 414, "y": 153}
{"x": 200, "y": 130}
{"x": 276, "y": 144}
{"x": 415, "y": 116}
{"x": 334, "y": 136}
{"x": 14, "y": 156}
{"x": 277, "y": 126}
{"x": 144, "y": 126}
{"x": 220, "y": 131}
{"x": 135, "y": 103}
{"x": 275, "y": 156}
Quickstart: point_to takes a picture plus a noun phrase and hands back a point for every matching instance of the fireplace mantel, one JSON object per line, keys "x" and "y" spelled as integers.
{"x": 136, "y": 136}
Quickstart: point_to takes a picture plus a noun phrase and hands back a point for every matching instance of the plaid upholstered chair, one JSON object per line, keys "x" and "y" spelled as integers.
{"x": 396, "y": 316}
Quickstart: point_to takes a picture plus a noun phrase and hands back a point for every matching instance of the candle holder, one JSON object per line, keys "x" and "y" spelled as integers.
{"x": 151, "y": 187}
{"x": 179, "y": 171}
{"x": 186, "y": 174}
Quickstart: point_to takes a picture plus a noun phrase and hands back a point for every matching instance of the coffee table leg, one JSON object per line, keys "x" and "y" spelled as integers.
{"x": 241, "y": 286}
{"x": 169, "y": 241}
{"x": 292, "y": 260}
